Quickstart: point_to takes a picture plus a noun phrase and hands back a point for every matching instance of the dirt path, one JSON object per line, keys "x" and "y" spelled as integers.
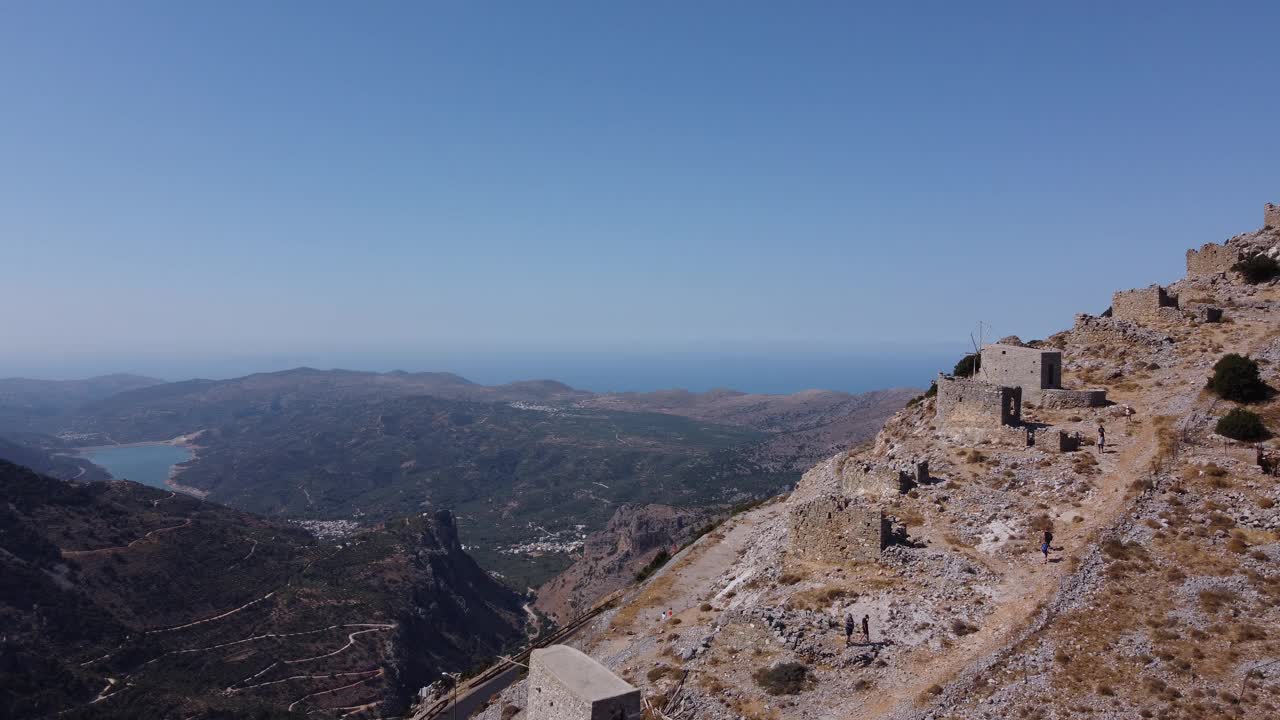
{"x": 215, "y": 617}
{"x": 1028, "y": 583}
{"x": 73, "y": 553}
{"x": 372, "y": 674}
{"x": 351, "y": 640}
{"x": 691, "y": 576}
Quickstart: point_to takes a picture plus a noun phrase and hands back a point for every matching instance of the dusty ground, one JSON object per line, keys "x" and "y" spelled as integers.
{"x": 1161, "y": 600}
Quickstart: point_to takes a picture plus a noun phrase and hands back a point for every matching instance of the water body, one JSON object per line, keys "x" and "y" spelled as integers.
{"x": 783, "y": 370}
{"x": 148, "y": 464}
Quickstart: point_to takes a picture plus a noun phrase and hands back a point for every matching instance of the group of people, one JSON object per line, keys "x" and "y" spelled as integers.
{"x": 849, "y": 627}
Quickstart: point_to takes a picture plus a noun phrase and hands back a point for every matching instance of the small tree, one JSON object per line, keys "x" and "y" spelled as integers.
{"x": 1257, "y": 269}
{"x": 1235, "y": 377}
{"x": 968, "y": 365}
{"x": 1240, "y": 424}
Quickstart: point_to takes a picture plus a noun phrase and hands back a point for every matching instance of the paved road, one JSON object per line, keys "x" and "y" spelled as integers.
{"x": 475, "y": 700}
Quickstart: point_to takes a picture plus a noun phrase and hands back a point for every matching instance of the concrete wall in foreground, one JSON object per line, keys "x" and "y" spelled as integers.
{"x": 565, "y": 684}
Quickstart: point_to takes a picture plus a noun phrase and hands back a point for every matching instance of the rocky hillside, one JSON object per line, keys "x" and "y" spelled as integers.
{"x": 1159, "y": 596}
{"x": 636, "y": 537}
{"x": 119, "y": 600}
{"x": 46, "y": 455}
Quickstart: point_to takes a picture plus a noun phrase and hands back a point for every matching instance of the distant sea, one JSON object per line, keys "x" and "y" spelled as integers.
{"x": 762, "y": 371}
{"x": 759, "y": 373}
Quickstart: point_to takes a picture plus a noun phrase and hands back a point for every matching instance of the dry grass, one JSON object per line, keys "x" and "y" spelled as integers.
{"x": 822, "y": 598}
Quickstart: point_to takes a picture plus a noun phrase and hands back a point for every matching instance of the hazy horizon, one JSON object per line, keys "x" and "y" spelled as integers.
{"x": 779, "y": 370}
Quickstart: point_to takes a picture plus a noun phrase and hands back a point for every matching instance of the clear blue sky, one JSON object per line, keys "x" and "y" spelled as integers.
{"x": 356, "y": 182}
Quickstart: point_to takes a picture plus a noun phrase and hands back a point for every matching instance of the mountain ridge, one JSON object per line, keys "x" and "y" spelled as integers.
{"x": 136, "y": 602}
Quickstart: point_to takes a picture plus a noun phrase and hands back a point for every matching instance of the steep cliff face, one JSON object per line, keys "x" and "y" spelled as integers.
{"x": 120, "y": 600}
{"x": 456, "y": 614}
{"x": 612, "y": 557}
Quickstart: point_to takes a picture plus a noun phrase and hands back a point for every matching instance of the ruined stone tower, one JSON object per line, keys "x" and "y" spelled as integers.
{"x": 1144, "y": 305}
{"x": 1031, "y": 369}
{"x": 835, "y": 529}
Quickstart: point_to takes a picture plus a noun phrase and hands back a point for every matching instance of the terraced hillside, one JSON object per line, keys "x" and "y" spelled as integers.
{"x": 121, "y": 600}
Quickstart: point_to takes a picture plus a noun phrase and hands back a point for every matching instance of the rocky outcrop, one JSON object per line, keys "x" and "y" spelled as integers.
{"x": 612, "y": 557}
{"x": 455, "y": 612}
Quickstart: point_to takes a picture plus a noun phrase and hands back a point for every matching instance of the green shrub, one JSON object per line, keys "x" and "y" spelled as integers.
{"x": 658, "y": 561}
{"x": 1235, "y": 377}
{"x": 933, "y": 390}
{"x": 1240, "y": 424}
{"x": 968, "y": 365}
{"x": 1257, "y": 269}
{"x": 788, "y": 678}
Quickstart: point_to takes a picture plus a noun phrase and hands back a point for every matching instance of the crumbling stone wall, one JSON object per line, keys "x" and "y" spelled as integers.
{"x": 1093, "y": 330}
{"x": 1068, "y": 442}
{"x": 1144, "y": 305}
{"x": 973, "y": 402}
{"x": 835, "y": 529}
{"x": 1031, "y": 369}
{"x": 565, "y": 684}
{"x": 1059, "y": 399}
{"x": 882, "y": 478}
{"x": 1271, "y": 215}
{"x": 1211, "y": 259}
{"x": 1208, "y": 314}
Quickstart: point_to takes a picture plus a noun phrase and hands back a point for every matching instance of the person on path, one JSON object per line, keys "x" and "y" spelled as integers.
{"x": 848, "y": 629}
{"x": 1044, "y": 547}
{"x": 866, "y": 629}
{"x": 1102, "y": 439}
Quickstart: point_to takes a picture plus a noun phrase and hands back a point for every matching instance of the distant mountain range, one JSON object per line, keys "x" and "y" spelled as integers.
{"x": 28, "y": 405}
{"x": 520, "y": 463}
{"x": 123, "y": 601}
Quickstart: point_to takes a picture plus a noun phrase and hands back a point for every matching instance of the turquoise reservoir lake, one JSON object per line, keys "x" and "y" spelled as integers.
{"x": 146, "y": 464}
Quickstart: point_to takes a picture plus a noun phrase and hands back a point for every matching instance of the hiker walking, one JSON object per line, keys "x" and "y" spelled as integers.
{"x": 848, "y": 629}
{"x": 1102, "y": 439}
{"x": 1046, "y": 544}
{"x": 866, "y": 629}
